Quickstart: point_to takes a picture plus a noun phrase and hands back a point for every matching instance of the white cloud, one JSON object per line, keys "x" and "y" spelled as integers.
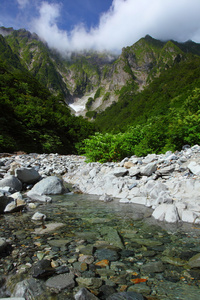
{"x": 123, "y": 24}
{"x": 23, "y": 3}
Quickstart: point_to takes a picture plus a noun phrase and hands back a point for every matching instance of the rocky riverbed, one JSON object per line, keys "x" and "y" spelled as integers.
{"x": 62, "y": 242}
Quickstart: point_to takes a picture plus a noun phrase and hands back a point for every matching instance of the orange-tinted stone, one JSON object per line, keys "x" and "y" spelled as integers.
{"x": 103, "y": 263}
{"x": 138, "y": 280}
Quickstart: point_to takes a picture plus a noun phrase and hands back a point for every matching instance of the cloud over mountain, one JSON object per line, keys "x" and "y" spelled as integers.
{"x": 122, "y": 25}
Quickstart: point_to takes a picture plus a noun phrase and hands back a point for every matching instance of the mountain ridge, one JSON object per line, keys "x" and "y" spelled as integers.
{"x": 81, "y": 76}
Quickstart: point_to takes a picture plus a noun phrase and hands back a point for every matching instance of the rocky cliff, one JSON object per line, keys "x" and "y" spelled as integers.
{"x": 79, "y": 76}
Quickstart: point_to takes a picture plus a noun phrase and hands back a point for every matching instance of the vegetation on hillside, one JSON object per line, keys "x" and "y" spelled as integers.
{"x": 34, "y": 120}
{"x": 165, "y": 116}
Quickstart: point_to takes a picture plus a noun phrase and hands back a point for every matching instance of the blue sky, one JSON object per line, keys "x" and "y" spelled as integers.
{"x": 70, "y": 25}
{"x": 19, "y": 13}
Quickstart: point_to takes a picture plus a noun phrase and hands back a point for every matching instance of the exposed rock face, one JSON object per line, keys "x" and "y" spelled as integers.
{"x": 79, "y": 77}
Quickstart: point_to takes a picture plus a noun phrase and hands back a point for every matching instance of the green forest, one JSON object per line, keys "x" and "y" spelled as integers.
{"x": 163, "y": 115}
{"x": 34, "y": 120}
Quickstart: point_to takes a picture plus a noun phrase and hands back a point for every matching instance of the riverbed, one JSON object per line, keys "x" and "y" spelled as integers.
{"x": 109, "y": 247}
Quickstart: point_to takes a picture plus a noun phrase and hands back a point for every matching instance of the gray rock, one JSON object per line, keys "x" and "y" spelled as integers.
{"x": 27, "y": 175}
{"x": 126, "y": 296}
{"x": 108, "y": 254}
{"x": 49, "y": 186}
{"x": 61, "y": 281}
{"x": 194, "y": 262}
{"x": 93, "y": 283}
{"x": 42, "y": 269}
{"x": 165, "y": 171}
{"x": 119, "y": 172}
{"x": 153, "y": 267}
{"x": 133, "y": 171}
{"x": 3, "y": 244}
{"x": 36, "y": 197}
{"x": 28, "y": 289}
{"x": 15, "y": 206}
{"x": 38, "y": 216}
{"x": 4, "y": 201}
{"x": 12, "y": 182}
{"x": 106, "y": 198}
{"x": 194, "y": 168}
{"x": 58, "y": 243}
{"x": 166, "y": 212}
{"x": 149, "y": 169}
{"x": 114, "y": 239}
{"x": 84, "y": 294}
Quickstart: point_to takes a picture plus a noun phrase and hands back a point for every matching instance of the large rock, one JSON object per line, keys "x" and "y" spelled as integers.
{"x": 84, "y": 294}
{"x": 149, "y": 169}
{"x": 49, "y": 186}
{"x": 28, "y": 289}
{"x": 3, "y": 244}
{"x": 4, "y": 201}
{"x": 27, "y": 175}
{"x": 15, "y": 206}
{"x": 61, "y": 281}
{"x": 36, "y": 197}
{"x": 42, "y": 269}
{"x": 194, "y": 262}
{"x": 166, "y": 212}
{"x": 194, "y": 168}
{"x": 11, "y": 181}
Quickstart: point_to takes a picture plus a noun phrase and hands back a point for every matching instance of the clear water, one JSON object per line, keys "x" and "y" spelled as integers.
{"x": 87, "y": 222}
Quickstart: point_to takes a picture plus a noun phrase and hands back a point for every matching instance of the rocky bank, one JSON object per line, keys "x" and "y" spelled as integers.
{"x": 168, "y": 183}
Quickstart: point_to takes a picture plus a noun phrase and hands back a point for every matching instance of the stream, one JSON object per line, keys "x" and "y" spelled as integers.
{"x": 119, "y": 245}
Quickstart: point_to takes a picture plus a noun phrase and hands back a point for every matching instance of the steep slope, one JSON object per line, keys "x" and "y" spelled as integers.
{"x": 36, "y": 57}
{"x": 31, "y": 118}
{"x": 163, "y": 93}
{"x": 91, "y": 81}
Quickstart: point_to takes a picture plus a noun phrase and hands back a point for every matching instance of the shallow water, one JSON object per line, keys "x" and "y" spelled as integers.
{"x": 89, "y": 222}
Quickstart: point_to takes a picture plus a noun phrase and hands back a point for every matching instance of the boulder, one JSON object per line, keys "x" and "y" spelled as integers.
{"x": 149, "y": 169}
{"x": 28, "y": 287}
{"x": 194, "y": 168}
{"x": 165, "y": 170}
{"x": 36, "y": 197}
{"x": 42, "y": 269}
{"x": 3, "y": 244}
{"x": 171, "y": 215}
{"x": 194, "y": 262}
{"x": 12, "y": 182}
{"x": 49, "y": 186}
{"x": 61, "y": 281}
{"x": 119, "y": 172}
{"x": 15, "y": 206}
{"x": 189, "y": 216}
{"x": 4, "y": 201}
{"x": 166, "y": 212}
{"x": 84, "y": 294}
{"x": 38, "y": 216}
{"x": 152, "y": 267}
{"x": 27, "y": 175}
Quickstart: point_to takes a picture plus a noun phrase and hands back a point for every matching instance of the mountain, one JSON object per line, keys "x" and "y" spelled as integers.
{"x": 148, "y": 84}
{"x": 32, "y": 119}
{"x": 94, "y": 80}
